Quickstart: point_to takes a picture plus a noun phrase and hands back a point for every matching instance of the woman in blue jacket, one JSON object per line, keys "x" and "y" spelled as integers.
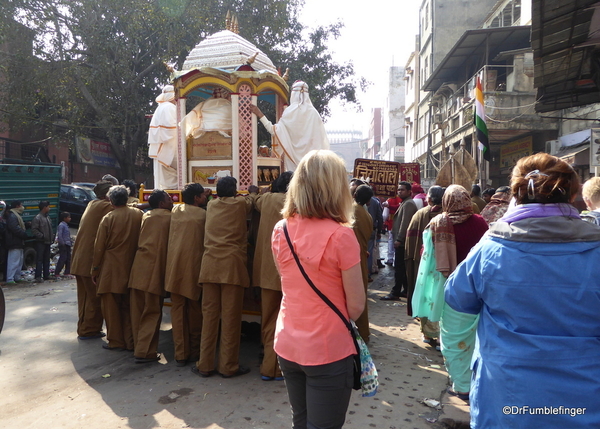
{"x": 534, "y": 283}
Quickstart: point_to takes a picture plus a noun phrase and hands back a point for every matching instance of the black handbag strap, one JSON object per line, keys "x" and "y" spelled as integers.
{"x": 312, "y": 285}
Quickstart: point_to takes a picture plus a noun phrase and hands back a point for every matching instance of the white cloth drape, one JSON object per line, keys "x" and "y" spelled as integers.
{"x": 162, "y": 143}
{"x": 300, "y": 128}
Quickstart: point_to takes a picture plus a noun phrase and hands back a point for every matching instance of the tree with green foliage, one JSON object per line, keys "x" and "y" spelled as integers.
{"x": 98, "y": 65}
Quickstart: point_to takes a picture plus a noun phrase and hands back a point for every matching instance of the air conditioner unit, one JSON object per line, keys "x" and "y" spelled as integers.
{"x": 552, "y": 146}
{"x": 437, "y": 118}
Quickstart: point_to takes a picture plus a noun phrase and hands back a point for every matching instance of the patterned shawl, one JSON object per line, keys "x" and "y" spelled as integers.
{"x": 496, "y": 208}
{"x": 457, "y": 208}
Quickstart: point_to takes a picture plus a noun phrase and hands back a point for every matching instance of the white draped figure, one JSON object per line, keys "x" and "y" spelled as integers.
{"x": 213, "y": 114}
{"x": 300, "y": 128}
{"x": 162, "y": 140}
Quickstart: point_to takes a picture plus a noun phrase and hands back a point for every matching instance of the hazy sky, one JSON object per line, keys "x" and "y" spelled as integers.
{"x": 377, "y": 35}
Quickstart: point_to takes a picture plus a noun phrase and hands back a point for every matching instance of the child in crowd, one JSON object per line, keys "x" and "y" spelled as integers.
{"x": 63, "y": 236}
{"x": 591, "y": 196}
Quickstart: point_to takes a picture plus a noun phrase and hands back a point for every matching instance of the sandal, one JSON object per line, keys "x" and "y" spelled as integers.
{"x": 389, "y": 298}
{"x": 459, "y": 395}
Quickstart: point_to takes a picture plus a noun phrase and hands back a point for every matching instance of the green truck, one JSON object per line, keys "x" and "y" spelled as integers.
{"x": 30, "y": 184}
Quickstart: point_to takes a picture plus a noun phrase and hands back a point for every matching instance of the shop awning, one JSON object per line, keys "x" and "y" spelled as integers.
{"x": 469, "y": 54}
{"x": 566, "y": 46}
{"x": 574, "y": 154}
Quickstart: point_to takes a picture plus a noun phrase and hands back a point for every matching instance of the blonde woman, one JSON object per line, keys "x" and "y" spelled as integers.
{"x": 314, "y": 347}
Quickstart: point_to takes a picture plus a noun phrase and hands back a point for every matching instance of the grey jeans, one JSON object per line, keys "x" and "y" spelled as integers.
{"x": 320, "y": 394}
{"x": 14, "y": 264}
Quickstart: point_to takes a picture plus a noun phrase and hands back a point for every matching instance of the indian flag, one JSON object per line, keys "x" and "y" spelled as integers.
{"x": 479, "y": 119}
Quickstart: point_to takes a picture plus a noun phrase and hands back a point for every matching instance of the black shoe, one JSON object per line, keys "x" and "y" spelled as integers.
{"x": 202, "y": 374}
{"x": 114, "y": 349}
{"x": 181, "y": 363}
{"x": 389, "y": 298}
{"x": 92, "y": 337}
{"x": 242, "y": 370}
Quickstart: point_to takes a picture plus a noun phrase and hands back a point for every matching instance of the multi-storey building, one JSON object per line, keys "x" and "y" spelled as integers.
{"x": 441, "y": 24}
{"x": 347, "y": 144}
{"x": 498, "y": 51}
{"x": 371, "y": 148}
{"x": 393, "y": 133}
{"x": 567, "y": 51}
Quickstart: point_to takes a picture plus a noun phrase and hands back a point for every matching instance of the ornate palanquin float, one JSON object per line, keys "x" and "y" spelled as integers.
{"x": 225, "y": 66}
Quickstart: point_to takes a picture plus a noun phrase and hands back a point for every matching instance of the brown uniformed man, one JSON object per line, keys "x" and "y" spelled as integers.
{"x": 89, "y": 324}
{"x": 114, "y": 251}
{"x": 184, "y": 259}
{"x": 363, "y": 228}
{"x": 265, "y": 274}
{"x": 224, "y": 275}
{"x": 147, "y": 279}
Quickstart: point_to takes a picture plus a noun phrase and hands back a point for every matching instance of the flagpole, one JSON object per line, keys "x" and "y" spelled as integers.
{"x": 481, "y": 130}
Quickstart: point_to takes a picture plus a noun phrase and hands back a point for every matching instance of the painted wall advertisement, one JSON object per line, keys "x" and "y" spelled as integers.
{"x": 511, "y": 152}
{"x": 95, "y": 152}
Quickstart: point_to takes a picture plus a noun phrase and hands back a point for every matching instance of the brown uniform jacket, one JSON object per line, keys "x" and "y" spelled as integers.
{"x": 407, "y": 210}
{"x": 480, "y": 202}
{"x": 363, "y": 228}
{"x": 265, "y": 274}
{"x": 186, "y": 248}
{"x": 114, "y": 249}
{"x": 148, "y": 269}
{"x": 226, "y": 241}
{"x": 83, "y": 250}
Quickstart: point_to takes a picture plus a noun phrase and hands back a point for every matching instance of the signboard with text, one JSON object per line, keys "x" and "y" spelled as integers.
{"x": 410, "y": 172}
{"x": 382, "y": 175}
{"x": 385, "y": 175}
{"x": 95, "y": 152}
{"x": 511, "y": 152}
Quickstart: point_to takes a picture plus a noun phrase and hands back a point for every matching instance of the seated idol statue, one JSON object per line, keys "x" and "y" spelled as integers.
{"x": 213, "y": 114}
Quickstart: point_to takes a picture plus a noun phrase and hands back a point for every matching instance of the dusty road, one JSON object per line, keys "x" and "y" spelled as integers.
{"x": 49, "y": 379}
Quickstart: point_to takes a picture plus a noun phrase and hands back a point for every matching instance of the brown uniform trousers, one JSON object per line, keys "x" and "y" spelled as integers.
{"x": 186, "y": 319}
{"x": 115, "y": 308}
{"x": 221, "y": 302}
{"x": 270, "y": 303}
{"x": 146, "y": 315}
{"x": 89, "y": 308}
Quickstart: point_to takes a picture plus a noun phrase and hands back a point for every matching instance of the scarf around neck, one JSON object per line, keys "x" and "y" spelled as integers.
{"x": 537, "y": 210}
{"x": 19, "y": 218}
{"x": 458, "y": 208}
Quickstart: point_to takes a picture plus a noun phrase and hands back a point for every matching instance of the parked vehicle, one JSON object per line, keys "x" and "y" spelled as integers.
{"x": 30, "y": 184}
{"x": 74, "y": 199}
{"x": 84, "y": 184}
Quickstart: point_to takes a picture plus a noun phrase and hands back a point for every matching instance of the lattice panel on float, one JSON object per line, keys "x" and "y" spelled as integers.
{"x": 246, "y": 152}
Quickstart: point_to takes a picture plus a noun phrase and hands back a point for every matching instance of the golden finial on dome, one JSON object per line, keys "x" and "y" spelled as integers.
{"x": 286, "y": 75}
{"x": 251, "y": 59}
{"x": 169, "y": 67}
{"x": 236, "y": 28}
{"x": 228, "y": 21}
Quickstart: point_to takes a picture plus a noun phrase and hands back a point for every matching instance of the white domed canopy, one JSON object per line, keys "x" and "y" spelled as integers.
{"x": 226, "y": 50}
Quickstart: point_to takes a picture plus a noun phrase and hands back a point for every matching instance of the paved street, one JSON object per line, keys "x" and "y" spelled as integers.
{"x": 49, "y": 379}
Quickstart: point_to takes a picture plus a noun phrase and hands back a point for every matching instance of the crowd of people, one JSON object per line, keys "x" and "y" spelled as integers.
{"x": 484, "y": 274}
{"x": 14, "y": 235}
{"x": 505, "y": 288}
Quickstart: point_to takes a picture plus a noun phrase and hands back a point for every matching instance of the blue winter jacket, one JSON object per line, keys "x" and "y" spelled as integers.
{"x": 536, "y": 285}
